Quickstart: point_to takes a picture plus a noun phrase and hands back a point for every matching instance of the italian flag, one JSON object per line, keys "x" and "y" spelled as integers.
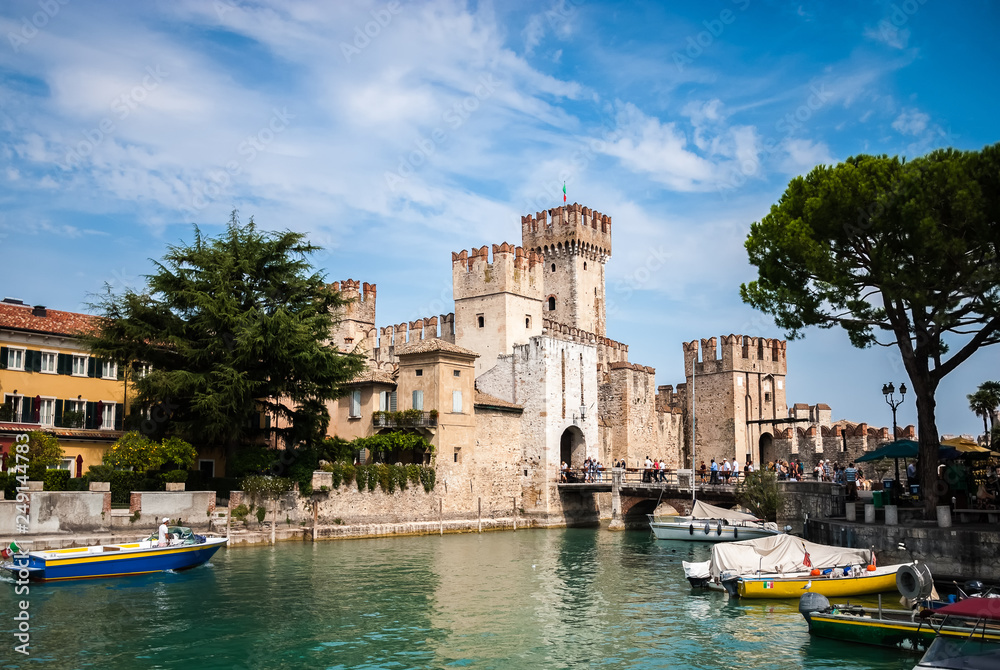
{"x": 11, "y": 550}
{"x": 564, "y": 192}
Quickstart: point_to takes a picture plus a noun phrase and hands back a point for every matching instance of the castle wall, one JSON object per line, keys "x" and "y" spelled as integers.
{"x": 551, "y": 379}
{"x": 735, "y": 394}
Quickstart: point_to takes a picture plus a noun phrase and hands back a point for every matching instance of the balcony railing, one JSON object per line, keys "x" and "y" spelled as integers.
{"x": 407, "y": 419}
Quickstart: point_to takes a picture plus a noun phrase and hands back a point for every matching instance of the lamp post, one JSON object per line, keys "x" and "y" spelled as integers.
{"x": 888, "y": 390}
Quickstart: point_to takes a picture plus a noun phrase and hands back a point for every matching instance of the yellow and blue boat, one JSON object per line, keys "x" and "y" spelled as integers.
{"x": 115, "y": 560}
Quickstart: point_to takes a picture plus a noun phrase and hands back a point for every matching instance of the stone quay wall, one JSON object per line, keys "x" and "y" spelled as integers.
{"x": 951, "y": 553}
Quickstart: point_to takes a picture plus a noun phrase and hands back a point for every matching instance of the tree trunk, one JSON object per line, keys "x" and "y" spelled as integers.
{"x": 927, "y": 435}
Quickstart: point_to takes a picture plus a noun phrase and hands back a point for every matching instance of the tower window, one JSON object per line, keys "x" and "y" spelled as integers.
{"x": 527, "y": 322}
{"x": 420, "y": 373}
{"x": 552, "y": 304}
{"x": 482, "y": 320}
{"x": 457, "y": 373}
{"x": 585, "y": 265}
{"x": 767, "y": 397}
{"x": 553, "y": 267}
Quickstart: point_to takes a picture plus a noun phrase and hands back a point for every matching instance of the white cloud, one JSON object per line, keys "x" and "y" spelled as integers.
{"x": 802, "y": 155}
{"x": 888, "y": 34}
{"x": 911, "y": 121}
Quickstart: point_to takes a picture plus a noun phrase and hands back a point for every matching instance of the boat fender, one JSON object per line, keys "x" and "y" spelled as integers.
{"x": 708, "y": 529}
{"x": 812, "y": 602}
{"x": 914, "y": 581}
{"x": 718, "y": 528}
{"x": 691, "y": 529}
{"x": 814, "y": 572}
{"x": 736, "y": 533}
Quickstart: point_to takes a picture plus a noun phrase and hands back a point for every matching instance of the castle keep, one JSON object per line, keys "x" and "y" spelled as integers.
{"x": 522, "y": 377}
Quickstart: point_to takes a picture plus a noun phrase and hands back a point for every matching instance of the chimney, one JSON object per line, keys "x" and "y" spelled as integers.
{"x": 39, "y": 310}
{"x": 13, "y": 301}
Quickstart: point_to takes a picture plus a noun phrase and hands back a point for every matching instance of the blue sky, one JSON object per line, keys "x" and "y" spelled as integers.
{"x": 395, "y": 133}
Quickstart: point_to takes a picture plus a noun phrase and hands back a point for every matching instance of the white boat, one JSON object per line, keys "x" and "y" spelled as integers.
{"x": 708, "y": 523}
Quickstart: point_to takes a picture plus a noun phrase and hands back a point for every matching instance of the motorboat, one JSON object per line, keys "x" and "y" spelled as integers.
{"x": 183, "y": 550}
{"x": 708, "y": 523}
{"x": 977, "y": 649}
{"x": 785, "y": 566}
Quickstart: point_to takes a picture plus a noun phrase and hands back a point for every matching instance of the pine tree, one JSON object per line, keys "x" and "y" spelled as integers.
{"x": 234, "y": 329}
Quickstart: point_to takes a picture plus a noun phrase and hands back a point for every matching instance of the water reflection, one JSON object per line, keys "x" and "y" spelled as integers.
{"x": 530, "y": 599}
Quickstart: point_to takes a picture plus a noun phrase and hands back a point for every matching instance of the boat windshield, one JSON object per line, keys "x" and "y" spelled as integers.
{"x": 961, "y": 654}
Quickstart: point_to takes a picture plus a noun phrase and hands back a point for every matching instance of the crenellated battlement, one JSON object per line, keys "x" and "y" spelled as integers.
{"x": 361, "y": 297}
{"x": 427, "y": 328}
{"x": 568, "y": 229}
{"x": 742, "y": 353}
{"x": 512, "y": 270}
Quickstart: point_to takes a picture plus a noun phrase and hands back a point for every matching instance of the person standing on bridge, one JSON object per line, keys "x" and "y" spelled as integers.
{"x": 726, "y": 471}
{"x": 715, "y": 473}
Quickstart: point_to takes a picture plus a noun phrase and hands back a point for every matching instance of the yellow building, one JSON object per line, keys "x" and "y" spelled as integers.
{"x": 50, "y": 382}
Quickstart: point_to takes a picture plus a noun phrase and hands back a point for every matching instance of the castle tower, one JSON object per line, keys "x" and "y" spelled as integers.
{"x": 498, "y": 304}
{"x": 574, "y": 243}
{"x": 738, "y": 396}
{"x": 356, "y": 328}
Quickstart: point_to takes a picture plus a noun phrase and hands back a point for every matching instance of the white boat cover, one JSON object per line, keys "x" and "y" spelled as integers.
{"x": 705, "y": 511}
{"x": 699, "y": 570}
{"x": 781, "y": 554}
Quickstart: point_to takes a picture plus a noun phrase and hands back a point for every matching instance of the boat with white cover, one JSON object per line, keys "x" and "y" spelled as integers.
{"x": 708, "y": 523}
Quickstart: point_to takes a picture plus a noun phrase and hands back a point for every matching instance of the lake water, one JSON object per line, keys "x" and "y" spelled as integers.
{"x": 533, "y": 599}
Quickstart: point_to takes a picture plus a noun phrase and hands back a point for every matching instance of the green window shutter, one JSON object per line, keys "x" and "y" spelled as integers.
{"x": 3, "y": 358}
{"x": 59, "y": 413}
{"x": 64, "y": 364}
{"x": 27, "y": 409}
{"x": 36, "y": 361}
{"x": 91, "y": 367}
{"x": 91, "y": 413}
{"x": 119, "y": 415}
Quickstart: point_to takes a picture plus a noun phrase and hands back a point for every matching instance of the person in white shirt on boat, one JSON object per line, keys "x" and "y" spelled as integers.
{"x": 163, "y": 532}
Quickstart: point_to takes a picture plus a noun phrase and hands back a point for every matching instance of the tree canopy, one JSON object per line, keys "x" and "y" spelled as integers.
{"x": 896, "y": 253}
{"x": 228, "y": 331}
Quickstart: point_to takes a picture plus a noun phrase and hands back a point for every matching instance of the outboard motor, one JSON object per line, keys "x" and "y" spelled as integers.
{"x": 974, "y": 588}
{"x": 813, "y": 602}
{"x": 729, "y": 581}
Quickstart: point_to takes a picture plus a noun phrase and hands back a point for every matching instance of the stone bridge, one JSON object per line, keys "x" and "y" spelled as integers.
{"x": 634, "y": 494}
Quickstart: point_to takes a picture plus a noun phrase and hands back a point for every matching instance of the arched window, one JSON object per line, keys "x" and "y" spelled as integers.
{"x": 585, "y": 265}
{"x": 552, "y": 303}
{"x": 553, "y": 267}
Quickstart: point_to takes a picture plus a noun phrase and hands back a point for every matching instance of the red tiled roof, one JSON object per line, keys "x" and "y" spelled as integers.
{"x": 20, "y": 317}
{"x": 487, "y": 400}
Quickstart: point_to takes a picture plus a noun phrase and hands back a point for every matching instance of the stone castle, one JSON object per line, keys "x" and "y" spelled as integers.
{"x": 521, "y": 377}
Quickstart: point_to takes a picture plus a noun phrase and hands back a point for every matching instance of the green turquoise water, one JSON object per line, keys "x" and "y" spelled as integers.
{"x": 527, "y": 599}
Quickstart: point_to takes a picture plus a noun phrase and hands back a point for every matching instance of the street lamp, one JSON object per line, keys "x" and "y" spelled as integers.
{"x": 888, "y": 390}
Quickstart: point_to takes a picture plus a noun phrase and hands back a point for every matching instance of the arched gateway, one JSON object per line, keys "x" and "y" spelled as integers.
{"x": 572, "y": 447}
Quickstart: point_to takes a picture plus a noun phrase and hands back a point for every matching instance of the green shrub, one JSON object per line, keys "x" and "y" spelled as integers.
{"x": 427, "y": 478}
{"x": 361, "y": 476}
{"x": 240, "y": 512}
{"x": 99, "y": 473}
{"x": 78, "y": 484}
{"x": 385, "y": 479}
{"x": 413, "y": 473}
{"x": 8, "y": 482}
{"x": 123, "y": 482}
{"x": 261, "y": 513}
{"x": 56, "y": 480}
{"x": 175, "y": 476}
{"x": 348, "y": 472}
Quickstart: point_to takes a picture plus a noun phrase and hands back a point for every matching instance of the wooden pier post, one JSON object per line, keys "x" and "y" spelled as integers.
{"x": 480, "y": 515}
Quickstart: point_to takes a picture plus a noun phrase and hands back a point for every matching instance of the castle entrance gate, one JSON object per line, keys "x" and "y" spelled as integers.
{"x": 572, "y": 447}
{"x": 765, "y": 447}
